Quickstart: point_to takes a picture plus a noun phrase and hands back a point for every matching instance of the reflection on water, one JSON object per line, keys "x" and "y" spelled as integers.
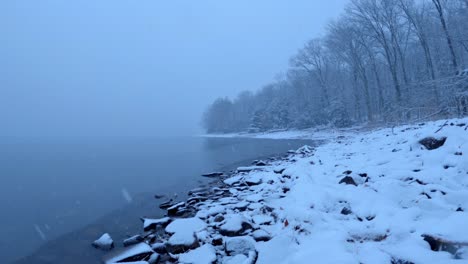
{"x": 50, "y": 188}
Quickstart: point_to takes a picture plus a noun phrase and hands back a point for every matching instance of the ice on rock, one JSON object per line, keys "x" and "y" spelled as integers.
{"x": 104, "y": 242}
{"x": 205, "y": 254}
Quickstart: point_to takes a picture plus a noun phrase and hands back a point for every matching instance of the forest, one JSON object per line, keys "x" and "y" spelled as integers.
{"x": 380, "y": 62}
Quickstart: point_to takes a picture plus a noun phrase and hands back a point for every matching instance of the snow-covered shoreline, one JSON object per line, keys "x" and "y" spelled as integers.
{"x": 373, "y": 197}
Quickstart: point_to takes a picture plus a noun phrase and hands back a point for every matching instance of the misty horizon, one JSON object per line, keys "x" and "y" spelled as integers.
{"x": 120, "y": 69}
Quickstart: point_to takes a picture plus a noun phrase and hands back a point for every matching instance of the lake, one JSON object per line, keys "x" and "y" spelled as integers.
{"x": 58, "y": 195}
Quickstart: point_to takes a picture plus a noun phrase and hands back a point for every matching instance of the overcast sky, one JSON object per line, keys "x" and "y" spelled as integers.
{"x": 140, "y": 68}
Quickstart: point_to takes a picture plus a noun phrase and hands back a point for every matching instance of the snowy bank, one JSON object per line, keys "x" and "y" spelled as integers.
{"x": 384, "y": 196}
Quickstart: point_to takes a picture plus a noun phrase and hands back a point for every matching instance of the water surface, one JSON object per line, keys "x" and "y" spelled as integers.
{"x": 59, "y": 194}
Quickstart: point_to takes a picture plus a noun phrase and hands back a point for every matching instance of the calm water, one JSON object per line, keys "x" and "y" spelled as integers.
{"x": 74, "y": 190}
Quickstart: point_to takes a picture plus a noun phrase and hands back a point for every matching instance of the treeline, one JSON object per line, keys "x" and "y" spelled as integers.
{"x": 381, "y": 61}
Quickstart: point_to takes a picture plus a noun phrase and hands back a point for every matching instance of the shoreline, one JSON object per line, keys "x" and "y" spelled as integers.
{"x": 123, "y": 222}
{"x": 296, "y": 207}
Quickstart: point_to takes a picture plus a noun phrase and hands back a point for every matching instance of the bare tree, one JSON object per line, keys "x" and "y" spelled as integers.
{"x": 440, "y": 11}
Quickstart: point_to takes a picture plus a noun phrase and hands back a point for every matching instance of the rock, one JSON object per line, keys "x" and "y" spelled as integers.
{"x": 217, "y": 241}
{"x": 348, "y": 180}
{"x": 234, "y": 225}
{"x": 304, "y": 150}
{"x": 205, "y": 254}
{"x": 218, "y": 218}
{"x": 441, "y": 244}
{"x": 348, "y": 172}
{"x": 133, "y": 240}
{"x": 261, "y": 219}
{"x": 154, "y": 258}
{"x": 279, "y": 171}
{"x": 138, "y": 252}
{"x": 261, "y": 235}
{"x": 239, "y": 245}
{"x": 105, "y": 242}
{"x": 241, "y": 259}
{"x": 174, "y": 210}
{"x": 249, "y": 169}
{"x": 152, "y": 224}
{"x": 183, "y": 234}
{"x": 158, "y": 196}
{"x": 346, "y": 211}
{"x": 159, "y": 248}
{"x": 253, "y": 181}
{"x": 432, "y": 143}
{"x": 459, "y": 209}
{"x": 400, "y": 261}
{"x": 259, "y": 163}
{"x": 166, "y": 204}
{"x": 213, "y": 174}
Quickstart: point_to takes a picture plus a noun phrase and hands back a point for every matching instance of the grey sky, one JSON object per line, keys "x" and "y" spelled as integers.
{"x": 140, "y": 68}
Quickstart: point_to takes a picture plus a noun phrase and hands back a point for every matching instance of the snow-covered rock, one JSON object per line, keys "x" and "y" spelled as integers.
{"x": 183, "y": 235}
{"x": 104, "y": 242}
{"x": 205, "y": 254}
{"x": 138, "y": 252}
{"x": 149, "y": 224}
{"x": 234, "y": 225}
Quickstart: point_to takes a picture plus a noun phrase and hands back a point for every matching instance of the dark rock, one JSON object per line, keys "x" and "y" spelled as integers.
{"x": 431, "y": 143}
{"x": 363, "y": 175}
{"x": 166, "y": 204}
{"x": 213, "y": 174}
{"x": 286, "y": 189}
{"x": 217, "y": 241}
{"x": 441, "y": 244}
{"x": 370, "y": 218}
{"x": 158, "y": 196}
{"x": 279, "y": 171}
{"x": 458, "y": 153}
{"x": 416, "y": 170}
{"x": 253, "y": 182}
{"x": 159, "y": 248}
{"x": 346, "y": 211}
{"x": 420, "y": 182}
{"x": 175, "y": 210}
{"x": 260, "y": 163}
{"x": 133, "y": 240}
{"x": 218, "y": 218}
{"x": 427, "y": 195}
{"x": 459, "y": 209}
{"x": 348, "y": 172}
{"x": 348, "y": 180}
{"x": 461, "y": 125}
{"x": 400, "y": 261}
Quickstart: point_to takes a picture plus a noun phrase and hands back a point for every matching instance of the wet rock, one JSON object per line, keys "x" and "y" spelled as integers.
{"x": 133, "y": 240}
{"x": 166, "y": 204}
{"x": 348, "y": 180}
{"x": 432, "y": 143}
{"x": 213, "y": 174}
{"x": 259, "y": 163}
{"x": 138, "y": 252}
{"x": 175, "y": 210}
{"x": 105, "y": 242}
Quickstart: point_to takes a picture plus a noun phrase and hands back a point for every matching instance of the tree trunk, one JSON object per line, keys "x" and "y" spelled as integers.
{"x": 440, "y": 10}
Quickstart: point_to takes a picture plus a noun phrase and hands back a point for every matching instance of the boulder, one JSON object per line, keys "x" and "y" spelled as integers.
{"x": 432, "y": 143}
{"x": 261, "y": 235}
{"x": 205, "y": 254}
{"x": 213, "y": 174}
{"x": 152, "y": 224}
{"x": 105, "y": 242}
{"x": 239, "y": 245}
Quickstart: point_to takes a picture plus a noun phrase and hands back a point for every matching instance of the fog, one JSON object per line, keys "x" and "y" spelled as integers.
{"x": 140, "y": 68}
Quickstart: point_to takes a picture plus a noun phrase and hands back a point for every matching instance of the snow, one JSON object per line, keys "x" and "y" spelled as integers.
{"x": 205, "y": 254}
{"x": 183, "y": 231}
{"x": 141, "y": 248}
{"x": 104, "y": 242}
{"x": 147, "y": 222}
{"x": 403, "y": 192}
